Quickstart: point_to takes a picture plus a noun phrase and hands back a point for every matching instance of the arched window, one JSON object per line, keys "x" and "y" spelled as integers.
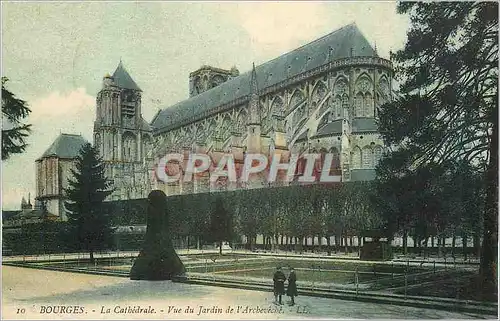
{"x": 384, "y": 89}
{"x": 345, "y": 105}
{"x": 356, "y": 157}
{"x": 337, "y": 107}
{"x": 319, "y": 92}
{"x": 358, "y": 105}
{"x": 129, "y": 147}
{"x": 340, "y": 86}
{"x": 368, "y": 105}
{"x": 277, "y": 107}
{"x": 377, "y": 154}
{"x": 367, "y": 156}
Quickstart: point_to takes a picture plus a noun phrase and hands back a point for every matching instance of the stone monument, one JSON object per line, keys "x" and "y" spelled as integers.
{"x": 157, "y": 259}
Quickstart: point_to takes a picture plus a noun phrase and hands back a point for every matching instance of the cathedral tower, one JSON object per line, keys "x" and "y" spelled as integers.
{"x": 121, "y": 135}
{"x": 208, "y": 77}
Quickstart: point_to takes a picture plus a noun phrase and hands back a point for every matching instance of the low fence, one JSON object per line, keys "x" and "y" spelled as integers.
{"x": 244, "y": 267}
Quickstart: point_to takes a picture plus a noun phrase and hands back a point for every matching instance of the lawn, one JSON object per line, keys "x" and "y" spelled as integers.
{"x": 378, "y": 275}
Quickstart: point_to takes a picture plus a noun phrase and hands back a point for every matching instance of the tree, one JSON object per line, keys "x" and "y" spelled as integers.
{"x": 14, "y": 132}
{"x": 220, "y": 224}
{"x": 448, "y": 110}
{"x": 88, "y": 189}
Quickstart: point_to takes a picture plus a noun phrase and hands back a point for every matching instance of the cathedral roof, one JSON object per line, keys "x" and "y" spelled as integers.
{"x": 302, "y": 136}
{"x": 364, "y": 125}
{"x": 123, "y": 79}
{"x": 342, "y": 43}
{"x": 65, "y": 146}
{"x": 332, "y": 128}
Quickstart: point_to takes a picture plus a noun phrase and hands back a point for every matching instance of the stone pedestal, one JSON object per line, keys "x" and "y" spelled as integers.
{"x": 157, "y": 259}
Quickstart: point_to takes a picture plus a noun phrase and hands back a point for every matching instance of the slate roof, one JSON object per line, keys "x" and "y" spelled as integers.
{"x": 332, "y": 128}
{"x": 65, "y": 146}
{"x": 333, "y": 46}
{"x": 122, "y": 78}
{"x": 364, "y": 125}
{"x": 302, "y": 136}
{"x": 365, "y": 174}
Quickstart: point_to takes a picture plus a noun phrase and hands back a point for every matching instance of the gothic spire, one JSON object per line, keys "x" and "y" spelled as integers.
{"x": 253, "y": 104}
{"x": 254, "y": 89}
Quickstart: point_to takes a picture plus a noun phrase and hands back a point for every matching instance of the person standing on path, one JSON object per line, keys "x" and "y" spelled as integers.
{"x": 291, "y": 290}
{"x": 279, "y": 284}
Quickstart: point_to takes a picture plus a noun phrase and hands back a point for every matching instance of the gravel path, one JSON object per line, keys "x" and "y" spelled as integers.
{"x": 92, "y": 297}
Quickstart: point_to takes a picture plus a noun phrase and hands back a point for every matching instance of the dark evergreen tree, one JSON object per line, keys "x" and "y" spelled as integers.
{"x": 448, "y": 108}
{"x": 15, "y": 132}
{"x": 90, "y": 223}
{"x": 221, "y": 228}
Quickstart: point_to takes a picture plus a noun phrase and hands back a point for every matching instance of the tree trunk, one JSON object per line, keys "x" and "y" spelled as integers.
{"x": 220, "y": 247}
{"x": 439, "y": 246}
{"x": 432, "y": 241}
{"x": 477, "y": 247}
{"x": 328, "y": 245}
{"x": 282, "y": 239}
{"x": 426, "y": 250}
{"x": 91, "y": 252}
{"x": 453, "y": 244}
{"x": 359, "y": 245}
{"x": 490, "y": 221}
{"x": 464, "y": 246}
{"x": 405, "y": 242}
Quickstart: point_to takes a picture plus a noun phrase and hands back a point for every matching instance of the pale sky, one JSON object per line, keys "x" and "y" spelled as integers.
{"x": 55, "y": 55}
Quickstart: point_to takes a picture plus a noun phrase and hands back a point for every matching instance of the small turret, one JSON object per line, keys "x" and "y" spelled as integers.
{"x": 107, "y": 80}
{"x": 253, "y": 124}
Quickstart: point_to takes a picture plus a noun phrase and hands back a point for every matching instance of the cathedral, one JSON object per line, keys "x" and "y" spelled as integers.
{"x": 319, "y": 98}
